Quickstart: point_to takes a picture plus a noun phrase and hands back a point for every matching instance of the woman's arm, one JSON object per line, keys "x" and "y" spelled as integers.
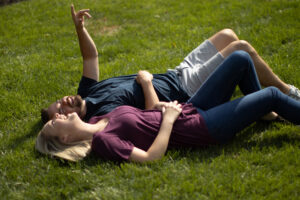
{"x": 87, "y": 46}
{"x": 158, "y": 148}
{"x": 144, "y": 78}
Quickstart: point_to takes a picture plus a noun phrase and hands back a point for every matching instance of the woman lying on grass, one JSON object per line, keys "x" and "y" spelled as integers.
{"x": 208, "y": 118}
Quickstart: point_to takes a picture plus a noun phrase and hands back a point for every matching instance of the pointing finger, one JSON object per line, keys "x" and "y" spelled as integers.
{"x": 72, "y": 10}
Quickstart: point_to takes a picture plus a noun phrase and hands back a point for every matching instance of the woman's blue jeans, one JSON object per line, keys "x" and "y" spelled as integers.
{"x": 225, "y": 118}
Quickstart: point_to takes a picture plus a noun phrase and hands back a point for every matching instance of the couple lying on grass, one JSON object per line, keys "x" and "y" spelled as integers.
{"x": 138, "y": 117}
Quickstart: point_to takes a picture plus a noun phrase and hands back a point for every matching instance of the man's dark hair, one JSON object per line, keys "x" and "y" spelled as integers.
{"x": 44, "y": 115}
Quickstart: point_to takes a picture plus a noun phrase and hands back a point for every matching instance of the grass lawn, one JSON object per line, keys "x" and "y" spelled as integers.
{"x": 40, "y": 62}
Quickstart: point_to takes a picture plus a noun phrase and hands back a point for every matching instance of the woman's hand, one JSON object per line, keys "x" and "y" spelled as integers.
{"x": 171, "y": 111}
{"x": 78, "y": 17}
{"x": 159, "y": 146}
{"x": 143, "y": 77}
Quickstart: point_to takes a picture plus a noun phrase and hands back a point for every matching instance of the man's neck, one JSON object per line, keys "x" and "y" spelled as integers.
{"x": 83, "y": 109}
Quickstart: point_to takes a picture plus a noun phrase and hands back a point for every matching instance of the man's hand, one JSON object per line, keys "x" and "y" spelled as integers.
{"x": 143, "y": 77}
{"x": 171, "y": 111}
{"x": 78, "y": 17}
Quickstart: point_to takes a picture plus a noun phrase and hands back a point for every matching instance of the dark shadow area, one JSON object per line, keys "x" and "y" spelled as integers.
{"x": 7, "y": 2}
{"x": 89, "y": 161}
{"x": 92, "y": 159}
{"x": 33, "y": 133}
{"x": 243, "y": 140}
{"x": 61, "y": 162}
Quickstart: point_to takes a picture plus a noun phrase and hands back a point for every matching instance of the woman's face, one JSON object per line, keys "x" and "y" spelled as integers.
{"x": 62, "y": 125}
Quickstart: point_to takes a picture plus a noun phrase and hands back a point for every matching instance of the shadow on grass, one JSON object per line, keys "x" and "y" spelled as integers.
{"x": 254, "y": 138}
{"x": 247, "y": 139}
{"x": 19, "y": 141}
{"x": 7, "y": 2}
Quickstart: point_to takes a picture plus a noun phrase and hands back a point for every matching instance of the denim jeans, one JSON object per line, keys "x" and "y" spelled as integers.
{"x": 225, "y": 118}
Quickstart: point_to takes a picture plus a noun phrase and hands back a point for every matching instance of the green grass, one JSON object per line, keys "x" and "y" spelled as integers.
{"x": 40, "y": 62}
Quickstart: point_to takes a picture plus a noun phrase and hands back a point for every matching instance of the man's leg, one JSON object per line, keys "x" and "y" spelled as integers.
{"x": 223, "y": 38}
{"x": 237, "y": 69}
{"x": 226, "y": 41}
{"x": 192, "y": 73}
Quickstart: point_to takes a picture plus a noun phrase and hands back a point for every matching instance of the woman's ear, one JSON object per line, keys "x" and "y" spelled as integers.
{"x": 64, "y": 139}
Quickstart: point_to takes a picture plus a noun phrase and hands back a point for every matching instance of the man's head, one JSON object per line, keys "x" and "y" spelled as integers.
{"x": 65, "y": 105}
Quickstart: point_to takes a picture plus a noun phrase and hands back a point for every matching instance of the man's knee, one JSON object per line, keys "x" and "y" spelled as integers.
{"x": 243, "y": 45}
{"x": 229, "y": 34}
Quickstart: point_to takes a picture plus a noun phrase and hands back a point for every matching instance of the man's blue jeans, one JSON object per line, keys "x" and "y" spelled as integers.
{"x": 225, "y": 118}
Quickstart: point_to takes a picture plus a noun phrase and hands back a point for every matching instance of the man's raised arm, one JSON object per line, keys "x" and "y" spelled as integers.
{"x": 87, "y": 46}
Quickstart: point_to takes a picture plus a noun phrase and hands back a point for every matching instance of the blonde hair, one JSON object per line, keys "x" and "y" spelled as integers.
{"x": 52, "y": 146}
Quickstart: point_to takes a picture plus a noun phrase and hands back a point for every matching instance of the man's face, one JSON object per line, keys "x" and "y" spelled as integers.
{"x": 66, "y": 105}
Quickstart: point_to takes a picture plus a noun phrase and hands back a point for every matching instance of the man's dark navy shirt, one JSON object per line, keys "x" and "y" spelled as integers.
{"x": 102, "y": 97}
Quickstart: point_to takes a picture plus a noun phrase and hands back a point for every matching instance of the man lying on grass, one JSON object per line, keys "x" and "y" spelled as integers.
{"x": 208, "y": 118}
{"x": 97, "y": 98}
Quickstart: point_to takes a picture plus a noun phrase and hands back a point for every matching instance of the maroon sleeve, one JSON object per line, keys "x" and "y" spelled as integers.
{"x": 111, "y": 147}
